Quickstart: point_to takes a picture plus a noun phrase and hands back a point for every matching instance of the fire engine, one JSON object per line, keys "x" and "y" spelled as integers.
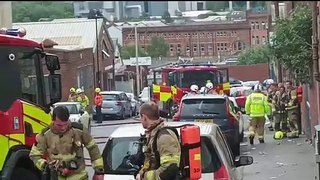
{"x": 26, "y": 95}
{"x": 177, "y": 79}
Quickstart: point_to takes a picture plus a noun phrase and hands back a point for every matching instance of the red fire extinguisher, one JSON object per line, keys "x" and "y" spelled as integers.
{"x": 299, "y": 93}
{"x": 190, "y": 144}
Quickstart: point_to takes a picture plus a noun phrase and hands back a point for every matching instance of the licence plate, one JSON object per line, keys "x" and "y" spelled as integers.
{"x": 204, "y": 120}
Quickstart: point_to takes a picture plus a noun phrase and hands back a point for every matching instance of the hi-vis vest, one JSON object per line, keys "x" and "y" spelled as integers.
{"x": 257, "y": 105}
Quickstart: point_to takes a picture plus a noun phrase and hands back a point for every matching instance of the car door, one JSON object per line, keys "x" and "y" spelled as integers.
{"x": 126, "y": 103}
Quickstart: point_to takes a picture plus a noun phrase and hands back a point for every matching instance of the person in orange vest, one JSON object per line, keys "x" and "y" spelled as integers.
{"x": 98, "y": 102}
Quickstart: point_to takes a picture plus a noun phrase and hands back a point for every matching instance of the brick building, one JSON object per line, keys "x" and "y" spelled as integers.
{"x": 259, "y": 23}
{"x": 202, "y": 40}
{"x": 74, "y": 41}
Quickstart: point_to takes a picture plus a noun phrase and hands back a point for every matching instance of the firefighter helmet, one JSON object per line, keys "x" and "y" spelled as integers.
{"x": 79, "y": 90}
{"x": 278, "y": 135}
{"x": 97, "y": 90}
{"x": 194, "y": 88}
{"x": 209, "y": 85}
{"x": 72, "y": 90}
{"x": 202, "y": 90}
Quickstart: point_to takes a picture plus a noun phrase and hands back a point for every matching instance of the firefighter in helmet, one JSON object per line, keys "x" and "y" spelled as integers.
{"x": 72, "y": 96}
{"x": 82, "y": 98}
{"x": 63, "y": 142}
{"x": 194, "y": 89}
{"x": 292, "y": 110}
{"x": 210, "y": 88}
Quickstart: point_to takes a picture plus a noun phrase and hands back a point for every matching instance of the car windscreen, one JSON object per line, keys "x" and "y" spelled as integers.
{"x": 72, "y": 108}
{"x": 119, "y": 150}
{"x": 247, "y": 92}
{"x": 111, "y": 97}
{"x": 208, "y": 107}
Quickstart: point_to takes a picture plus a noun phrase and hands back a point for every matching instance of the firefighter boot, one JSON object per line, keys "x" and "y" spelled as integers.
{"x": 251, "y": 139}
{"x": 277, "y": 126}
{"x": 261, "y": 140}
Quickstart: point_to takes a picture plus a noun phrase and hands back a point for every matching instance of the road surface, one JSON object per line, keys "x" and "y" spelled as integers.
{"x": 280, "y": 160}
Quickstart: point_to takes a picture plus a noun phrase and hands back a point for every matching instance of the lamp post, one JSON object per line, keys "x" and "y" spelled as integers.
{"x": 97, "y": 48}
{"x": 137, "y": 60}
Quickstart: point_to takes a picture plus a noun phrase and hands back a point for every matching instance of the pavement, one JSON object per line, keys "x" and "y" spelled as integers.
{"x": 287, "y": 159}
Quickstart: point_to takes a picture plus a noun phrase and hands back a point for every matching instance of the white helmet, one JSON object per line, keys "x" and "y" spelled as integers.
{"x": 209, "y": 85}
{"x": 194, "y": 88}
{"x": 202, "y": 90}
{"x": 257, "y": 87}
{"x": 79, "y": 90}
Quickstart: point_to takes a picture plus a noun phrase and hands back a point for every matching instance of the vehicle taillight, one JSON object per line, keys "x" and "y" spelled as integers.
{"x": 118, "y": 103}
{"x": 222, "y": 174}
{"x": 97, "y": 177}
{"x": 232, "y": 119}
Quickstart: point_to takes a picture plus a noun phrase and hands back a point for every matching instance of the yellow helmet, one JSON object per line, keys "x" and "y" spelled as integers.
{"x": 73, "y": 90}
{"x": 97, "y": 90}
{"x": 278, "y": 135}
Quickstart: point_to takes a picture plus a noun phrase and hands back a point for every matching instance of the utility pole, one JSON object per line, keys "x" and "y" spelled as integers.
{"x": 276, "y": 10}
{"x": 137, "y": 60}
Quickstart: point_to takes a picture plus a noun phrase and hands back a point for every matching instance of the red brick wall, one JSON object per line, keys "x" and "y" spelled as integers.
{"x": 257, "y": 72}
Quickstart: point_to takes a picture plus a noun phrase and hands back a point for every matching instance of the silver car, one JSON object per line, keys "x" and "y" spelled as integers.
{"x": 216, "y": 157}
{"x": 115, "y": 104}
{"x": 135, "y": 104}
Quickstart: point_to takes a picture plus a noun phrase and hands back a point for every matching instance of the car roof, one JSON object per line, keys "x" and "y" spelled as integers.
{"x": 111, "y": 92}
{"x": 134, "y": 130}
{"x": 66, "y": 103}
{"x": 204, "y": 96}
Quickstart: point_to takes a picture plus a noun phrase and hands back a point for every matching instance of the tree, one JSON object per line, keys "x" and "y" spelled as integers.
{"x": 258, "y": 55}
{"x": 158, "y": 47}
{"x": 130, "y": 51}
{"x": 167, "y": 17}
{"x": 292, "y": 43}
{"x": 28, "y": 11}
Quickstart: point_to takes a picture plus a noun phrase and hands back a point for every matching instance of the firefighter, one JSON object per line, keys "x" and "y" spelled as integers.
{"x": 165, "y": 163}
{"x": 82, "y": 98}
{"x": 63, "y": 142}
{"x": 194, "y": 89}
{"x": 72, "y": 96}
{"x": 257, "y": 107}
{"x": 271, "y": 93}
{"x": 98, "y": 102}
{"x": 292, "y": 110}
{"x": 280, "y": 100}
{"x": 210, "y": 89}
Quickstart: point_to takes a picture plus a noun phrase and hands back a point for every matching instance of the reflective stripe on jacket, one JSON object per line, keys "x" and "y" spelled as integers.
{"x": 257, "y": 105}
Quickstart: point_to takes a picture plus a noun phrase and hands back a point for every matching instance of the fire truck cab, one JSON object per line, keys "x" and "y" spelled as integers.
{"x": 26, "y": 94}
{"x": 177, "y": 79}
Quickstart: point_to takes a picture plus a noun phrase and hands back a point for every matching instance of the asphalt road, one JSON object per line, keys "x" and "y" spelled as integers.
{"x": 288, "y": 159}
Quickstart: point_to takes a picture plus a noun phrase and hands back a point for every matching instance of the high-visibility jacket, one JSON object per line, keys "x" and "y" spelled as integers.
{"x": 293, "y": 100}
{"x": 84, "y": 101}
{"x": 257, "y": 105}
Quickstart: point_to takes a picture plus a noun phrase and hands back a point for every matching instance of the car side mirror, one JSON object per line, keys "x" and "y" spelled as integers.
{"x": 55, "y": 88}
{"x": 244, "y": 161}
{"x": 81, "y": 112}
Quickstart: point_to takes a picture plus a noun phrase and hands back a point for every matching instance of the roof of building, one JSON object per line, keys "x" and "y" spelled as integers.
{"x": 69, "y": 34}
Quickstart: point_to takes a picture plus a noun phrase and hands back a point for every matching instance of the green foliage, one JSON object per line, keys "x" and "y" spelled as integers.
{"x": 292, "y": 43}
{"x": 258, "y": 55}
{"x": 217, "y": 6}
{"x": 130, "y": 51}
{"x": 158, "y": 47}
{"x": 31, "y": 11}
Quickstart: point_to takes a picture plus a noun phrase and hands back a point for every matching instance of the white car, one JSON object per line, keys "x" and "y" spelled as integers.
{"x": 135, "y": 104}
{"x": 216, "y": 158}
{"x": 76, "y": 113}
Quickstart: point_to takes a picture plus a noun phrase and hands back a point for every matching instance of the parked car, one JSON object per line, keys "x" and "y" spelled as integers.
{"x": 240, "y": 94}
{"x": 76, "y": 113}
{"x": 135, "y": 103}
{"x": 213, "y": 108}
{"x": 116, "y": 104}
{"x": 145, "y": 95}
{"x": 216, "y": 158}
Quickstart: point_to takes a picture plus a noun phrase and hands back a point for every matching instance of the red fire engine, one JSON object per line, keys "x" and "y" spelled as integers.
{"x": 26, "y": 95}
{"x": 177, "y": 79}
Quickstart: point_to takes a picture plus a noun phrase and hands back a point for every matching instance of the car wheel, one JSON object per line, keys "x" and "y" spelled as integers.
{"x": 123, "y": 115}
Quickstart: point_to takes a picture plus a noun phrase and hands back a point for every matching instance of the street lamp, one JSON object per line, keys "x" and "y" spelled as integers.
{"x": 137, "y": 60}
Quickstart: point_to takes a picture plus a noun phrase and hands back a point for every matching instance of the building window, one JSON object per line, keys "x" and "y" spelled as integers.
{"x": 218, "y": 34}
{"x": 194, "y": 48}
{"x": 264, "y": 40}
{"x": 187, "y": 49}
{"x": 225, "y": 34}
{"x": 252, "y": 25}
{"x": 210, "y": 49}
{"x": 81, "y": 6}
{"x": 257, "y": 25}
{"x": 171, "y": 48}
{"x": 202, "y": 47}
{"x": 241, "y": 46}
{"x": 225, "y": 46}
{"x": 253, "y": 40}
{"x": 179, "y": 48}
{"x": 257, "y": 40}
{"x": 263, "y": 24}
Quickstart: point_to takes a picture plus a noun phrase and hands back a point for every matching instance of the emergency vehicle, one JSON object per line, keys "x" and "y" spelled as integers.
{"x": 177, "y": 79}
{"x": 26, "y": 95}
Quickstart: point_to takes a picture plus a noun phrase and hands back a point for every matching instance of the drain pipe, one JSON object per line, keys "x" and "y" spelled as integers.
{"x": 315, "y": 55}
